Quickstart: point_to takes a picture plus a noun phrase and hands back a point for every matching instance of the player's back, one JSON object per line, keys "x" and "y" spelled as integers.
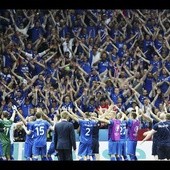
{"x": 114, "y": 130}
{"x": 133, "y": 127}
{"x": 39, "y": 128}
{"x": 123, "y": 129}
{"x": 163, "y": 131}
{"x": 86, "y": 130}
{"x": 5, "y": 135}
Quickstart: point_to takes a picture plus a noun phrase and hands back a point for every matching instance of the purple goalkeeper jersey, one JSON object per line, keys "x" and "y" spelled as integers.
{"x": 133, "y": 126}
{"x": 114, "y": 130}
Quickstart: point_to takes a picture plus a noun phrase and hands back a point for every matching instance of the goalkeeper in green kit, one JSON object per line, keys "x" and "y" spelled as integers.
{"x": 5, "y": 133}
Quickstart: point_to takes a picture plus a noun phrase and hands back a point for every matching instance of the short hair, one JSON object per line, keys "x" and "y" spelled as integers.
{"x": 87, "y": 114}
{"x": 38, "y": 114}
{"x": 64, "y": 115}
{"x": 134, "y": 115}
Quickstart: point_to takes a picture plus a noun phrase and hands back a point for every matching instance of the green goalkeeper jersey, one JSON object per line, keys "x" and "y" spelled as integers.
{"x": 5, "y": 134}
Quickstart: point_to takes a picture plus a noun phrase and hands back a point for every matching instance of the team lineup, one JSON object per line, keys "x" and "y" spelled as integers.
{"x": 122, "y": 134}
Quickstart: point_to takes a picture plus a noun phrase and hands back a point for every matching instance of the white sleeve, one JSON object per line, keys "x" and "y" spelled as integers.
{"x": 29, "y": 55}
{"x": 42, "y": 53}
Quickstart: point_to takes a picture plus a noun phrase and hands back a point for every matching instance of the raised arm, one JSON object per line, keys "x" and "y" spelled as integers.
{"x": 47, "y": 118}
{"x": 80, "y": 111}
{"x": 73, "y": 115}
{"x": 153, "y": 115}
{"x": 19, "y": 114}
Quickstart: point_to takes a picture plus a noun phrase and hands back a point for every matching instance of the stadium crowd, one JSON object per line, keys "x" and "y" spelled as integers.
{"x": 88, "y": 59}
